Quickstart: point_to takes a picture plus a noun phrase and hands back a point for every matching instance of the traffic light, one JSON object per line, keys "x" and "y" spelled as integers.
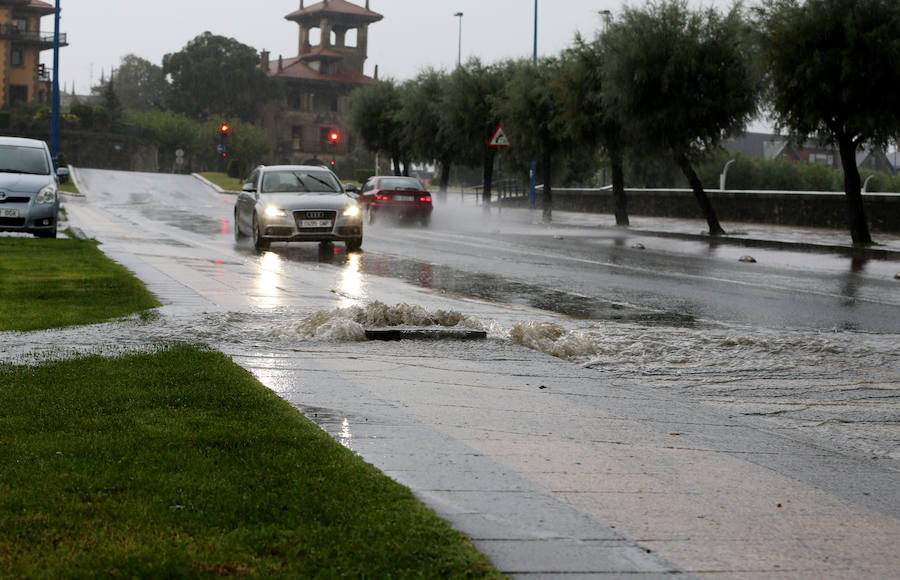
{"x": 332, "y": 163}
{"x": 41, "y": 69}
{"x": 224, "y": 129}
{"x": 334, "y": 137}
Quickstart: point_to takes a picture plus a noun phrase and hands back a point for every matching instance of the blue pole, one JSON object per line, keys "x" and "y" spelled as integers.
{"x": 54, "y": 107}
{"x": 532, "y": 173}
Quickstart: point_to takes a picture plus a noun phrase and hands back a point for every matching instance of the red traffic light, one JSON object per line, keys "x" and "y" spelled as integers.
{"x": 334, "y": 137}
{"x": 332, "y": 162}
{"x": 224, "y": 128}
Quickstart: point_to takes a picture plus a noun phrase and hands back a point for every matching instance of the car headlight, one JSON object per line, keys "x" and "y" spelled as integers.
{"x": 272, "y": 211}
{"x": 47, "y": 195}
{"x": 351, "y": 211}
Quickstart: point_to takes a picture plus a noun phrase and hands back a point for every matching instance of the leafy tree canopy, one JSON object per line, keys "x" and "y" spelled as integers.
{"x": 214, "y": 77}
{"x": 680, "y": 77}
{"x": 140, "y": 84}
{"x": 833, "y": 66}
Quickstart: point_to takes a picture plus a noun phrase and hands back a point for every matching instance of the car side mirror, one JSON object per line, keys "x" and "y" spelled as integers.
{"x": 351, "y": 188}
{"x": 249, "y": 187}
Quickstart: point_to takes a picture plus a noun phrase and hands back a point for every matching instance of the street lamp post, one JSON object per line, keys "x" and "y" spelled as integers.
{"x": 459, "y": 49}
{"x": 54, "y": 90}
{"x": 532, "y": 173}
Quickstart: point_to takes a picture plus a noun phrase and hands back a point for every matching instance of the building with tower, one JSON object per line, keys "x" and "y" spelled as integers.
{"x": 23, "y": 77}
{"x": 308, "y": 124}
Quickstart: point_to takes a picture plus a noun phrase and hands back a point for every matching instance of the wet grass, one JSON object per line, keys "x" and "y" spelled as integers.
{"x": 52, "y": 283}
{"x": 222, "y": 180}
{"x": 180, "y": 464}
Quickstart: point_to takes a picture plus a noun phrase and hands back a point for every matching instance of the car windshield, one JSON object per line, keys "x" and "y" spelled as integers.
{"x": 14, "y": 159}
{"x": 293, "y": 180}
{"x": 400, "y": 183}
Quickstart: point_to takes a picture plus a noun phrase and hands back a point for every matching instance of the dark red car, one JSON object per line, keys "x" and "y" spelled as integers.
{"x": 401, "y": 197}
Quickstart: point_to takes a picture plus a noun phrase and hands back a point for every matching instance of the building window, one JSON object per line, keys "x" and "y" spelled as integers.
{"x": 18, "y": 94}
{"x": 315, "y": 36}
{"x": 19, "y": 24}
{"x": 351, "y": 40}
{"x": 296, "y": 137}
{"x": 16, "y": 57}
{"x": 826, "y": 159}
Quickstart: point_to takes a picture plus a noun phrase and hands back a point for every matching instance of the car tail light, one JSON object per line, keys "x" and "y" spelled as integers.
{"x": 382, "y": 197}
{"x": 425, "y": 198}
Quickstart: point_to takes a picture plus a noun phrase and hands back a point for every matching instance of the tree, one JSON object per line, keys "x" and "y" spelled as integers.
{"x": 587, "y": 118}
{"x": 468, "y": 115}
{"x": 140, "y": 84}
{"x": 373, "y": 113}
{"x": 214, "y": 77}
{"x": 680, "y": 81}
{"x": 832, "y": 69}
{"x": 420, "y": 118}
{"x": 532, "y": 117}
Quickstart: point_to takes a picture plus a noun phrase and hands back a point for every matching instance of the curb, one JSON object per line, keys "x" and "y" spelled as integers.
{"x": 869, "y": 252}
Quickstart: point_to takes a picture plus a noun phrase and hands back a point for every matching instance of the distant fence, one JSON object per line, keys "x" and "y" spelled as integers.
{"x": 797, "y": 208}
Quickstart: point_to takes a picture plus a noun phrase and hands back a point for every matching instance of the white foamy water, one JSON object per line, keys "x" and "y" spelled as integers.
{"x": 839, "y": 388}
{"x": 350, "y": 323}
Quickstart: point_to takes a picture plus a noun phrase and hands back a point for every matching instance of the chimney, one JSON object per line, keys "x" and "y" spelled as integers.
{"x": 301, "y": 4}
{"x": 367, "y": 4}
{"x": 264, "y": 61}
{"x": 280, "y": 64}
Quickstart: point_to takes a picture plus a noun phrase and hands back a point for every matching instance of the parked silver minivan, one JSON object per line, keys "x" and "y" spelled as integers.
{"x": 29, "y": 187}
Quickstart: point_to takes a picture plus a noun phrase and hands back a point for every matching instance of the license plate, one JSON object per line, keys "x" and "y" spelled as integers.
{"x": 405, "y": 197}
{"x": 13, "y": 213}
{"x": 314, "y": 223}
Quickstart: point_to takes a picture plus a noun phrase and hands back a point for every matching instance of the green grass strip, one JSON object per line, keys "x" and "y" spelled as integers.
{"x": 53, "y": 283}
{"x": 179, "y": 464}
{"x": 222, "y": 180}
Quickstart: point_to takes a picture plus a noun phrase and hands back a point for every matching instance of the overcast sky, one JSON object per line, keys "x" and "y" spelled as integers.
{"x": 413, "y": 35}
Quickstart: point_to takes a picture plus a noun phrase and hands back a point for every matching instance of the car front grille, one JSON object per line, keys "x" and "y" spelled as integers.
{"x": 15, "y": 200}
{"x": 315, "y": 215}
{"x": 12, "y": 222}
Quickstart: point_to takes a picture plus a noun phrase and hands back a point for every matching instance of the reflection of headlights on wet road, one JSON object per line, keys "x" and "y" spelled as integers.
{"x": 272, "y": 211}
{"x": 351, "y": 211}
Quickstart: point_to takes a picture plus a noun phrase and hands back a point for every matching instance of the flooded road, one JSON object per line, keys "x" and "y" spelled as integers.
{"x": 805, "y": 340}
{"x": 675, "y": 410}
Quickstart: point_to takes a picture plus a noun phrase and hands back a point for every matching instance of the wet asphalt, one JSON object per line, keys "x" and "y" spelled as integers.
{"x": 552, "y": 469}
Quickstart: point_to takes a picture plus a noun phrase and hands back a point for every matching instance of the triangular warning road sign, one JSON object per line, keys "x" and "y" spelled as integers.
{"x": 498, "y": 139}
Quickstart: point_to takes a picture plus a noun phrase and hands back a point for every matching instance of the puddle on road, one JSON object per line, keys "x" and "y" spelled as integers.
{"x": 486, "y": 286}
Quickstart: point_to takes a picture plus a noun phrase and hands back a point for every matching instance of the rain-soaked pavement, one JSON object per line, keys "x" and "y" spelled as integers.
{"x": 661, "y": 436}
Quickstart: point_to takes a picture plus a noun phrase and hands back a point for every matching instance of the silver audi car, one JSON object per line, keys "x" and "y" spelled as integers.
{"x": 296, "y": 203}
{"x": 29, "y": 188}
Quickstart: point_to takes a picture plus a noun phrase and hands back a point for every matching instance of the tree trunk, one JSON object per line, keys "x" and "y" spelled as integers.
{"x": 715, "y": 229}
{"x": 445, "y": 181}
{"x": 396, "y": 163}
{"x": 618, "y": 187}
{"x": 856, "y": 211}
{"x": 488, "y": 176}
{"x": 547, "y": 194}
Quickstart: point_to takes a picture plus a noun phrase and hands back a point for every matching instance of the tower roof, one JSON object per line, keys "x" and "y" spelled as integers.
{"x": 339, "y": 8}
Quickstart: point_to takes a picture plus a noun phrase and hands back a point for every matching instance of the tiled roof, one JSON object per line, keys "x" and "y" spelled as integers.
{"x": 36, "y": 6}
{"x": 295, "y": 68}
{"x": 334, "y": 7}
